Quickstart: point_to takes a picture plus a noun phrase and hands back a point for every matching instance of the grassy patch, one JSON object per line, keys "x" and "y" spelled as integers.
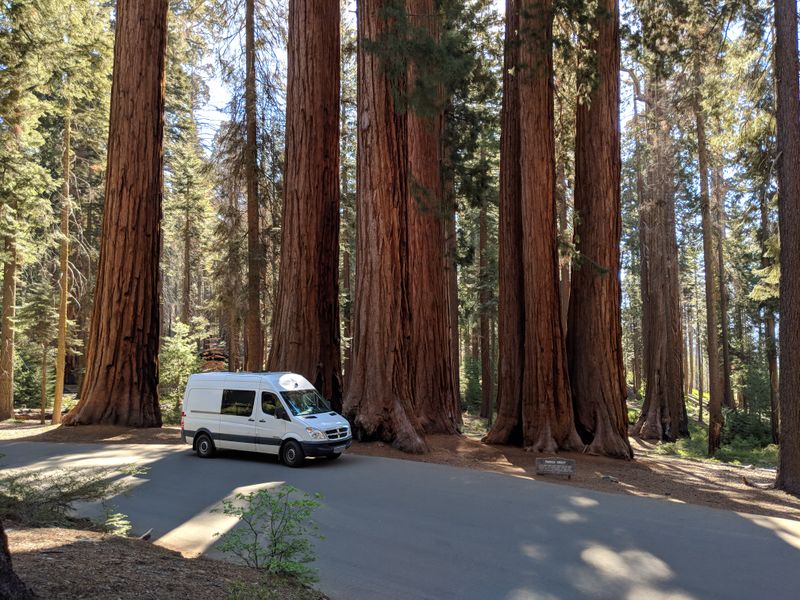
{"x": 738, "y": 451}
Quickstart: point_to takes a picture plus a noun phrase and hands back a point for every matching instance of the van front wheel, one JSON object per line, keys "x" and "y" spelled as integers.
{"x": 292, "y": 454}
{"x": 204, "y": 446}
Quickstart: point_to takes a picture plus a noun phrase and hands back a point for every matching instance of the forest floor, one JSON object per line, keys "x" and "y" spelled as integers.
{"x": 653, "y": 475}
{"x": 73, "y": 564}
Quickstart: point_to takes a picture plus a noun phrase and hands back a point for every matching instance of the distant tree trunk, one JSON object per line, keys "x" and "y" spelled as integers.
{"x": 305, "y": 329}
{"x": 254, "y": 337}
{"x": 121, "y": 384}
{"x": 63, "y": 294}
{"x": 690, "y": 352}
{"x": 544, "y": 410}
{"x": 7, "y": 328}
{"x": 788, "y": 128}
{"x": 11, "y": 586}
{"x": 700, "y": 389}
{"x": 594, "y": 330}
{"x": 483, "y": 301}
{"x": 664, "y": 412}
{"x": 43, "y": 386}
{"x": 727, "y": 393}
{"x": 451, "y": 249}
{"x": 563, "y": 231}
{"x": 713, "y": 281}
{"x": 379, "y": 400}
{"x": 430, "y": 361}
{"x": 769, "y": 325}
{"x": 347, "y": 317}
{"x": 186, "y": 292}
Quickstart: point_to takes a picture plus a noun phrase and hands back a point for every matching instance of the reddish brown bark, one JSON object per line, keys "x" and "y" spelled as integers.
{"x": 663, "y": 412}
{"x": 121, "y": 382}
{"x": 594, "y": 331}
{"x": 7, "y": 327}
{"x": 430, "y": 362}
{"x": 510, "y": 323}
{"x": 788, "y": 128}
{"x": 544, "y": 414}
{"x": 305, "y": 329}
{"x": 379, "y": 399}
{"x": 253, "y": 334}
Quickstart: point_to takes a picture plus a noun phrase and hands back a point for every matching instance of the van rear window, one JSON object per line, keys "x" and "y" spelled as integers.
{"x": 238, "y": 402}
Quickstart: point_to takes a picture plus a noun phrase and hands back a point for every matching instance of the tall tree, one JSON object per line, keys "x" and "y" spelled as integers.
{"x": 11, "y": 586}
{"x": 379, "y": 399}
{"x": 254, "y": 342}
{"x": 121, "y": 384}
{"x": 540, "y": 416}
{"x": 63, "y": 265}
{"x": 594, "y": 332}
{"x": 788, "y": 127}
{"x": 430, "y": 361}
{"x": 305, "y": 330}
{"x": 712, "y": 272}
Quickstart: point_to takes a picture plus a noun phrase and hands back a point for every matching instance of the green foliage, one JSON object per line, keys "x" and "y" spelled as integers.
{"x": 276, "y": 531}
{"x": 116, "y": 523}
{"x": 42, "y": 499}
{"x": 177, "y": 360}
{"x": 471, "y": 394}
{"x": 746, "y": 429}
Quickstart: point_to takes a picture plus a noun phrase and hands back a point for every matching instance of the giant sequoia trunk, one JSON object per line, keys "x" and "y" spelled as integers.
{"x": 542, "y": 412}
{"x": 305, "y": 330}
{"x": 788, "y": 127}
{"x": 430, "y": 360}
{"x": 713, "y": 280}
{"x": 664, "y": 411}
{"x": 594, "y": 330}
{"x": 253, "y": 336}
{"x": 487, "y": 407}
{"x": 379, "y": 398}
{"x": 121, "y": 382}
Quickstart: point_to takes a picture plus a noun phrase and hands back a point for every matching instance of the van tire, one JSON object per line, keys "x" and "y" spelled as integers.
{"x": 204, "y": 446}
{"x": 292, "y": 454}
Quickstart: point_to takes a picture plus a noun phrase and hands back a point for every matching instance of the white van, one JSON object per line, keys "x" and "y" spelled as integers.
{"x": 274, "y": 413}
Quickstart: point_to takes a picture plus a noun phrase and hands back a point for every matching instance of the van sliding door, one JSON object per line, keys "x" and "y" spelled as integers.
{"x": 237, "y": 423}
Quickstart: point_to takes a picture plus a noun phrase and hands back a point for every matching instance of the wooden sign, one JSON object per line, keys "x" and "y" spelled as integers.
{"x": 556, "y": 466}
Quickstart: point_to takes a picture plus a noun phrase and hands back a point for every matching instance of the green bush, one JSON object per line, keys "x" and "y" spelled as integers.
{"x": 46, "y": 499}
{"x": 749, "y": 429}
{"x": 277, "y": 531}
{"x": 472, "y": 391}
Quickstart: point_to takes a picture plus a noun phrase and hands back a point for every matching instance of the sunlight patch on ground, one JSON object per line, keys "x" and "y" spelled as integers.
{"x": 785, "y": 529}
{"x": 583, "y": 502}
{"x": 631, "y": 565}
{"x": 197, "y": 535}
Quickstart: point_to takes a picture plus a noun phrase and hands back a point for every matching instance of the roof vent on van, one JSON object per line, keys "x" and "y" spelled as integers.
{"x": 333, "y": 414}
{"x": 311, "y": 416}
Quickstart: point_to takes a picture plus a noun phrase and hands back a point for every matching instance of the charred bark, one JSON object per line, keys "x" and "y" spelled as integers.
{"x": 121, "y": 383}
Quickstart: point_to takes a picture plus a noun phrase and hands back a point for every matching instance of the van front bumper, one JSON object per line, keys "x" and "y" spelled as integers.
{"x": 326, "y": 448}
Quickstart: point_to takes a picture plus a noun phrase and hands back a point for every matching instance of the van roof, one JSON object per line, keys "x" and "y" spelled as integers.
{"x": 278, "y": 379}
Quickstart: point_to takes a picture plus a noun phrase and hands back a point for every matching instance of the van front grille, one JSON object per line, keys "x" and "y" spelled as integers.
{"x": 337, "y": 434}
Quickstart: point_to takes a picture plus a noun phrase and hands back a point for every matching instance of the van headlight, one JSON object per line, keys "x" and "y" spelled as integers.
{"x": 316, "y": 434}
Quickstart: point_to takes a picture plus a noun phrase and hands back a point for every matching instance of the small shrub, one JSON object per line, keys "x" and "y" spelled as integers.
{"x": 747, "y": 428}
{"x": 46, "y": 499}
{"x": 276, "y": 533}
{"x": 177, "y": 360}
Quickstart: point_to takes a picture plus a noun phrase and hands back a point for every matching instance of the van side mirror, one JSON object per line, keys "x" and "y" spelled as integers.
{"x": 280, "y": 413}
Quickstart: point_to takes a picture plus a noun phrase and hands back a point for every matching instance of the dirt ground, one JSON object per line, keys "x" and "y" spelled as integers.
{"x": 707, "y": 483}
{"x": 69, "y": 564}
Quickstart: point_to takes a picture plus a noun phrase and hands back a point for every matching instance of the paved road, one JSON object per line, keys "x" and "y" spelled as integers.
{"x": 407, "y": 530}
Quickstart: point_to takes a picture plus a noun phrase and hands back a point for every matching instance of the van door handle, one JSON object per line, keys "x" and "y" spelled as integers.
{"x": 262, "y": 420}
{"x": 251, "y": 419}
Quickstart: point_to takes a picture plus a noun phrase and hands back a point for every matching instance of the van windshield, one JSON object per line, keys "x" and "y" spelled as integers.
{"x": 305, "y": 402}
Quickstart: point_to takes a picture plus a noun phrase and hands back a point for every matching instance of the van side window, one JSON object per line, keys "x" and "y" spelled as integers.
{"x": 269, "y": 402}
{"x": 238, "y": 402}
